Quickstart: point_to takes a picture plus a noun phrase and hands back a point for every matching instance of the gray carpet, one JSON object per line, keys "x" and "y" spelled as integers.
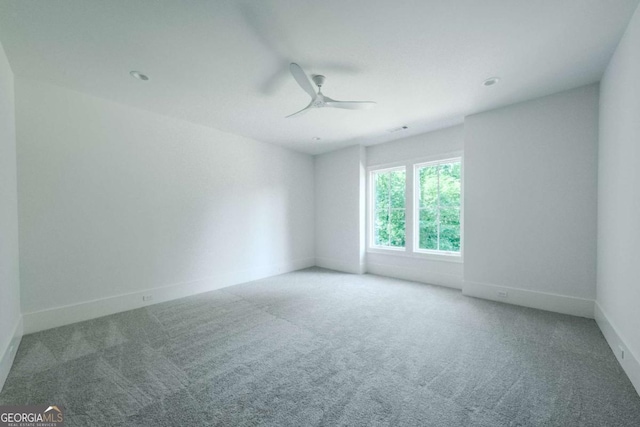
{"x": 317, "y": 347}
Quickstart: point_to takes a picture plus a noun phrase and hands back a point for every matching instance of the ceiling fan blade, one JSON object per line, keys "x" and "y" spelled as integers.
{"x": 301, "y": 112}
{"x": 351, "y": 105}
{"x": 301, "y": 77}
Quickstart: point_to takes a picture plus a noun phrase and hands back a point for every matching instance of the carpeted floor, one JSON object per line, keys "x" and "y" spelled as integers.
{"x": 316, "y": 347}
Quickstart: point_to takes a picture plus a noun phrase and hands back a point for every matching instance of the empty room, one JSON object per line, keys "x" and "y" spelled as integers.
{"x": 319, "y": 213}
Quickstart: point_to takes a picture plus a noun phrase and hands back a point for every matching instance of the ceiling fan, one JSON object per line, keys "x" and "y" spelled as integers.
{"x": 319, "y": 100}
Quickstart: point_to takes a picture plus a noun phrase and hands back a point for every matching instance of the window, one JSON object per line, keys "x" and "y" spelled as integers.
{"x": 388, "y": 208}
{"x": 415, "y": 208}
{"x": 438, "y": 206}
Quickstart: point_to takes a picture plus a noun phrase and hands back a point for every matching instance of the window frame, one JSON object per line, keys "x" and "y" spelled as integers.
{"x": 371, "y": 209}
{"x": 411, "y": 206}
{"x": 416, "y": 207}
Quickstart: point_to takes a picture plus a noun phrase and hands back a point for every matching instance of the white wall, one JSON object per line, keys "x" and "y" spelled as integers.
{"x": 618, "y": 287}
{"x": 339, "y": 202}
{"x": 441, "y": 141}
{"x": 530, "y": 201}
{"x": 10, "y": 319}
{"x": 115, "y": 201}
{"x": 424, "y": 146}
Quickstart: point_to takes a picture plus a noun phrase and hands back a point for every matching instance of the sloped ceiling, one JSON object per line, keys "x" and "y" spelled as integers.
{"x": 224, "y": 64}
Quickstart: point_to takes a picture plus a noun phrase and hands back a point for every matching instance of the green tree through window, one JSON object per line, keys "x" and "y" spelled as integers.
{"x": 389, "y": 208}
{"x": 439, "y": 206}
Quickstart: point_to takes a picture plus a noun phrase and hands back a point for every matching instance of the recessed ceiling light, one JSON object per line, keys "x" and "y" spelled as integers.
{"x": 138, "y": 75}
{"x": 491, "y": 81}
{"x": 316, "y": 138}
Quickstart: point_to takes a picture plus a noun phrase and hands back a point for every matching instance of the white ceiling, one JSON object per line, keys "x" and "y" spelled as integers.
{"x": 224, "y": 63}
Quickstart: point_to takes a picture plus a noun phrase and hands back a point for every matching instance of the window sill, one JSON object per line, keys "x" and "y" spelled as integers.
{"x": 403, "y": 252}
{"x": 387, "y": 250}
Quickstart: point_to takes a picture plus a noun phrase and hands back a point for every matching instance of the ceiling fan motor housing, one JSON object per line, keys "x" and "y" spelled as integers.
{"x": 318, "y": 80}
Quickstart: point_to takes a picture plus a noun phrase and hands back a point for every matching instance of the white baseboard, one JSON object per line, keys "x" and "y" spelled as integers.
{"x": 415, "y": 275}
{"x": 542, "y": 300}
{"x": 630, "y": 363}
{"x": 59, "y": 316}
{"x": 9, "y": 353}
{"x": 340, "y": 265}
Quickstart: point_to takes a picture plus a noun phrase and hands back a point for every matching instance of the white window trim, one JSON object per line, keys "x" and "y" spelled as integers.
{"x": 370, "y": 205}
{"x": 411, "y": 242}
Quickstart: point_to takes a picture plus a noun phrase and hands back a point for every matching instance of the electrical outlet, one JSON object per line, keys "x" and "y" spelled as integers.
{"x": 621, "y": 352}
{"x": 503, "y": 294}
{"x": 147, "y": 298}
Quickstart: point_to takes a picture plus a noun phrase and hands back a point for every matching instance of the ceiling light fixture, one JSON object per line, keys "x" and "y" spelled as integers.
{"x": 316, "y": 138}
{"x": 138, "y": 75}
{"x": 491, "y": 81}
